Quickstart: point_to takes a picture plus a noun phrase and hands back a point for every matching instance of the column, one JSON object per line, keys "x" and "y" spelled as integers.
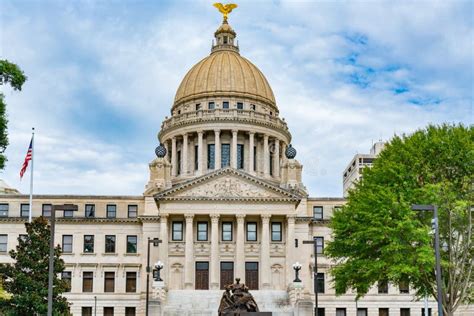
{"x": 200, "y": 153}
{"x": 266, "y": 156}
{"x": 240, "y": 248}
{"x": 214, "y": 252}
{"x": 276, "y": 159}
{"x": 164, "y": 246}
{"x": 184, "y": 160}
{"x": 173, "y": 157}
{"x": 165, "y": 144}
{"x": 290, "y": 248}
{"x": 265, "y": 252}
{"x": 233, "y": 162}
{"x": 252, "y": 167}
{"x": 217, "y": 149}
{"x": 189, "y": 254}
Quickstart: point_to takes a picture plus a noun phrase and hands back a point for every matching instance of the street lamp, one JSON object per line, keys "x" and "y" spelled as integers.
{"x": 54, "y": 208}
{"x": 434, "y": 222}
{"x": 156, "y": 273}
{"x": 315, "y": 271}
{"x": 297, "y": 268}
{"x": 156, "y": 242}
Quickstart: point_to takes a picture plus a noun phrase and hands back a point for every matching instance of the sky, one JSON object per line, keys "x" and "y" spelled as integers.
{"x": 102, "y": 76}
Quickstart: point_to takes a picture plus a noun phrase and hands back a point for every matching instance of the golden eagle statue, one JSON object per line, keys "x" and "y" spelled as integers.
{"x": 225, "y": 9}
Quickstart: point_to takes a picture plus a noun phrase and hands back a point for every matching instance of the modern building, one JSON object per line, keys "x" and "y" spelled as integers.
{"x": 226, "y": 198}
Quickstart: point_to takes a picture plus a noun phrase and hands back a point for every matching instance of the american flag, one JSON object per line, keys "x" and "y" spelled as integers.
{"x": 28, "y": 157}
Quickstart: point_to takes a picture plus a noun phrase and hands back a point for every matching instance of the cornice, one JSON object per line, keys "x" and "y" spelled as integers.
{"x": 72, "y": 197}
{"x": 88, "y": 220}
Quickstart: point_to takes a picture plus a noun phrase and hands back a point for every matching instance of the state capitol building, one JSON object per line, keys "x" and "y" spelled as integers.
{"x": 225, "y": 196}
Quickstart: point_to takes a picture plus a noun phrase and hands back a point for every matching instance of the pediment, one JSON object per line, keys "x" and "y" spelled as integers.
{"x": 227, "y": 184}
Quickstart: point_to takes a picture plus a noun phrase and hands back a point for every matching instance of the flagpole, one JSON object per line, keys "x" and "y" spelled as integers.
{"x": 31, "y": 174}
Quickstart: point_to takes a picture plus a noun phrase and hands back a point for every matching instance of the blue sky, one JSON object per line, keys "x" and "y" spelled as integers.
{"x": 102, "y": 76}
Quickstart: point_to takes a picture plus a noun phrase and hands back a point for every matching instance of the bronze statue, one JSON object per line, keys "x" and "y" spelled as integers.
{"x": 225, "y": 9}
{"x": 236, "y": 299}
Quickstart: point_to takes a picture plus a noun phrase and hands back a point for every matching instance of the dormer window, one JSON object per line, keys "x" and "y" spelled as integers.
{"x": 225, "y": 40}
{"x": 240, "y": 106}
{"x": 211, "y": 106}
{"x": 225, "y": 104}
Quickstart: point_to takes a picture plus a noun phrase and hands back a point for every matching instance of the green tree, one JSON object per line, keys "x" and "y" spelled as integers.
{"x": 376, "y": 235}
{"x": 9, "y": 74}
{"x": 27, "y": 278}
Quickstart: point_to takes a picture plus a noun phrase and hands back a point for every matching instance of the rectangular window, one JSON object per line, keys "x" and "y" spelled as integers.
{"x": 318, "y": 212}
{"x": 3, "y": 210}
{"x": 86, "y": 311}
{"x": 88, "y": 243}
{"x": 423, "y": 312}
{"x": 67, "y": 244}
{"x": 202, "y": 231}
{"x": 240, "y": 106}
{"x": 68, "y": 213}
{"x": 225, "y": 105}
{"x": 24, "y": 210}
{"x": 340, "y": 312}
{"x": 90, "y": 210}
{"x": 320, "y": 282}
{"x": 130, "y": 311}
{"x": 382, "y": 287}
{"x": 132, "y": 211}
{"x": 321, "y": 311}
{"x": 225, "y": 155}
{"x": 383, "y": 312}
{"x": 227, "y": 231}
{"x": 131, "y": 244}
{"x": 46, "y": 210}
{"x": 270, "y": 158}
{"x": 131, "y": 283}
{"x": 276, "y": 231}
{"x": 177, "y": 231}
{"x": 111, "y": 211}
{"x": 251, "y": 231}
{"x": 109, "y": 243}
{"x": 109, "y": 282}
{"x": 211, "y": 158}
{"x": 211, "y": 105}
{"x": 319, "y": 245}
{"x": 240, "y": 156}
{"x": 178, "y": 166}
{"x": 87, "y": 281}
{"x": 362, "y": 312}
{"x": 404, "y": 312}
{"x": 404, "y": 287}
{"x": 108, "y": 311}
{"x": 254, "y": 158}
{"x": 3, "y": 243}
{"x": 67, "y": 276}
{"x": 196, "y": 157}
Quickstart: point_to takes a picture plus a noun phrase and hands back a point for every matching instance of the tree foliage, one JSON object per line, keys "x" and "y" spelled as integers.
{"x": 376, "y": 235}
{"x": 27, "y": 278}
{"x": 9, "y": 74}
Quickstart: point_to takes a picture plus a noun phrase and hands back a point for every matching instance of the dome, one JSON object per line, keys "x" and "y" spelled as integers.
{"x": 224, "y": 73}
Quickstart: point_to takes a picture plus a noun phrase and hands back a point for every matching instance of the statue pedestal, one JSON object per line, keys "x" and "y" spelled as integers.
{"x": 157, "y": 299}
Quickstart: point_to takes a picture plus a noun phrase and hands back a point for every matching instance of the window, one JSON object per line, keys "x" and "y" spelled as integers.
{"x": 86, "y": 311}
{"x": 211, "y": 156}
{"x": 270, "y": 163}
{"x": 252, "y": 107}
{"x": 3, "y": 243}
{"x": 423, "y": 312}
{"x": 46, "y": 210}
{"x": 177, "y": 231}
{"x": 196, "y": 157}
{"x": 179, "y": 112}
{"x": 276, "y": 231}
{"x": 240, "y": 156}
{"x": 340, "y": 312}
{"x": 67, "y": 244}
{"x": 202, "y": 231}
{"x": 24, "y": 210}
{"x": 321, "y": 311}
{"x": 225, "y": 105}
{"x": 88, "y": 243}
{"x": 67, "y": 276}
{"x": 254, "y": 158}
{"x": 251, "y": 231}
{"x": 383, "y": 287}
{"x": 225, "y": 39}
{"x": 109, "y": 243}
{"x": 320, "y": 282}
{"x": 383, "y": 312}
{"x": 131, "y": 283}
{"x": 87, "y": 281}
{"x": 132, "y": 211}
{"x": 225, "y": 155}
{"x": 198, "y": 106}
{"x": 178, "y": 163}
{"x": 68, "y": 213}
{"x": 319, "y": 245}
{"x": 3, "y": 210}
{"x": 109, "y": 282}
{"x": 404, "y": 287}
{"x": 111, "y": 211}
{"x": 240, "y": 106}
{"x": 130, "y": 311}
{"x": 90, "y": 210}
{"x": 362, "y": 312}
{"x": 211, "y": 105}
{"x": 108, "y": 311}
{"x": 318, "y": 212}
{"x": 227, "y": 231}
{"x": 404, "y": 312}
{"x": 131, "y": 244}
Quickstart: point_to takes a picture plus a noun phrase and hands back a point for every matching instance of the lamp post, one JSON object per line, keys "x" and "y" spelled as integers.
{"x": 156, "y": 242}
{"x": 158, "y": 266}
{"x": 297, "y": 268}
{"x": 315, "y": 271}
{"x": 54, "y": 208}
{"x": 434, "y": 222}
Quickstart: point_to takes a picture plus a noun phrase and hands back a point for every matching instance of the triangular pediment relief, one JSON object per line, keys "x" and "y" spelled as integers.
{"x": 227, "y": 184}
